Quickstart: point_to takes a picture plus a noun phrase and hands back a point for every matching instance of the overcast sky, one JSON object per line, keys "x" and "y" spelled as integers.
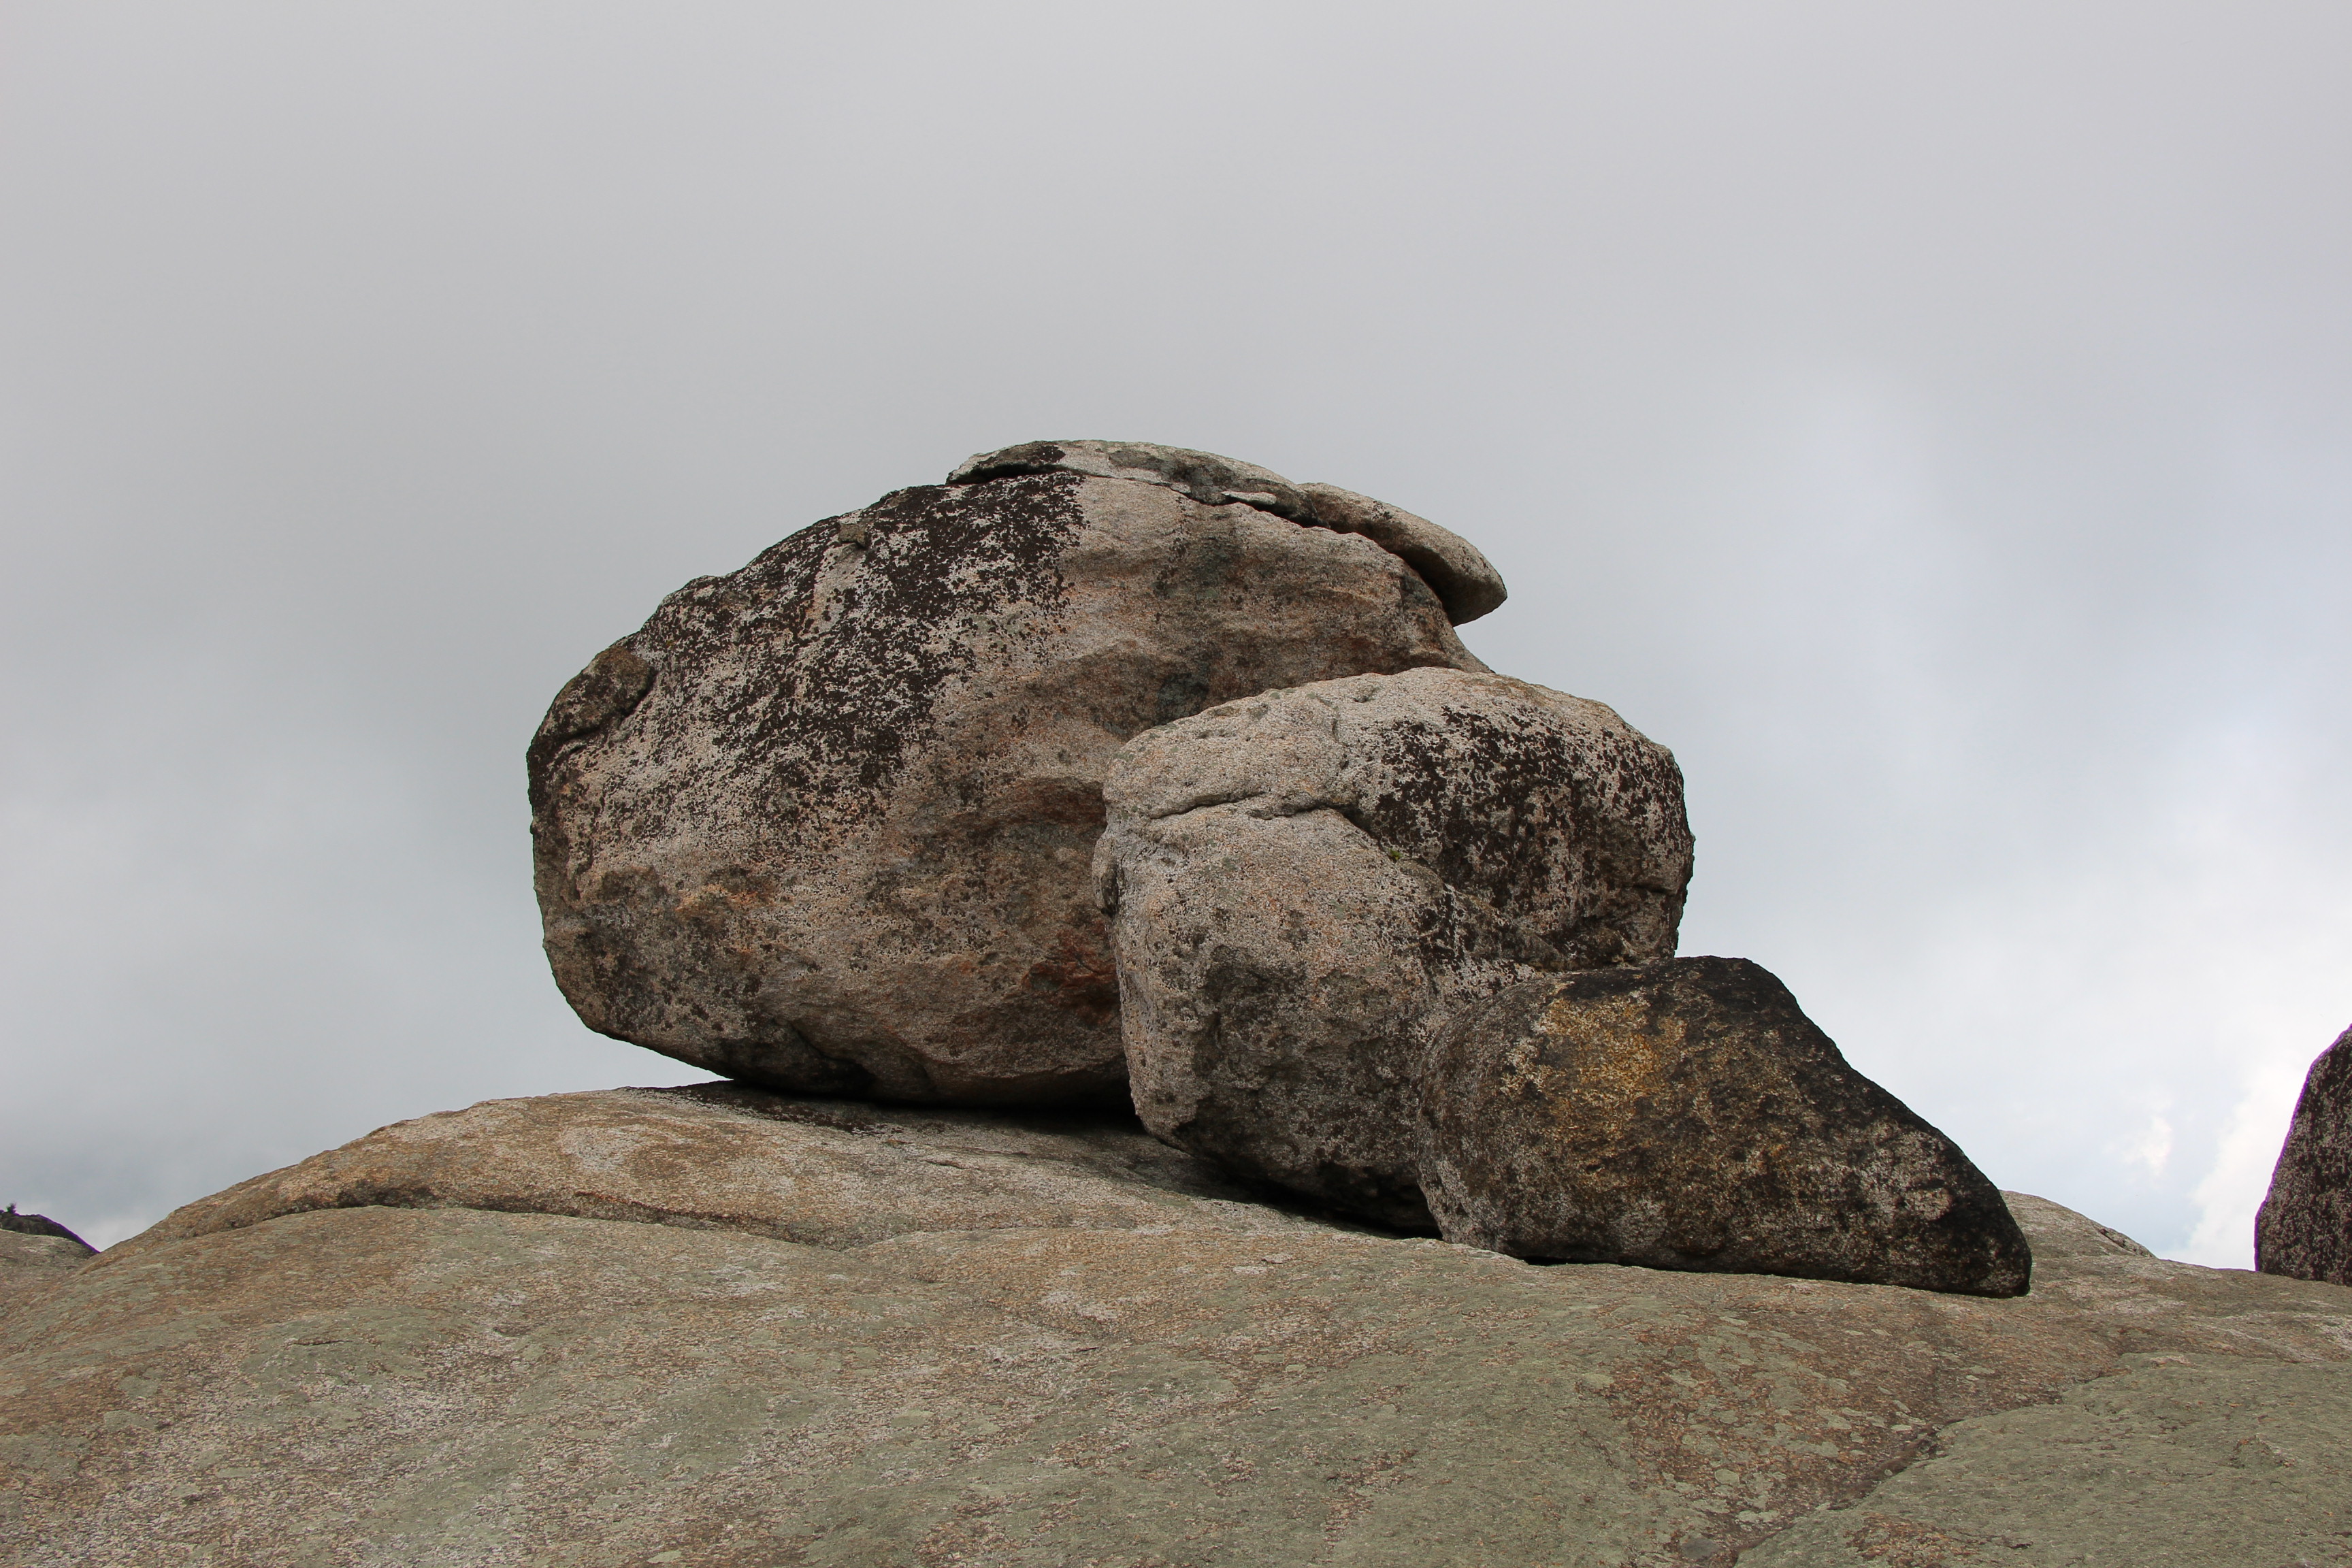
{"x": 1931, "y": 422}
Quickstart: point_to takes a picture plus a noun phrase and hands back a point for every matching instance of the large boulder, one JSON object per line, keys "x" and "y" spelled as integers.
{"x": 1688, "y": 1115}
{"x": 2304, "y": 1227}
{"x": 458, "y": 1385}
{"x": 824, "y": 824}
{"x": 1305, "y": 885}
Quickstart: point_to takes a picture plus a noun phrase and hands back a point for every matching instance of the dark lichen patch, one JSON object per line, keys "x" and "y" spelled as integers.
{"x": 1553, "y": 829}
{"x": 821, "y": 662}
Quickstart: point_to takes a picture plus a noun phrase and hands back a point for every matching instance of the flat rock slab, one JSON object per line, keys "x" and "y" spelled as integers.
{"x": 1305, "y": 885}
{"x": 2304, "y": 1227}
{"x": 729, "y": 1157}
{"x": 825, "y": 824}
{"x": 1687, "y": 1114}
{"x": 454, "y": 1386}
{"x": 1461, "y": 578}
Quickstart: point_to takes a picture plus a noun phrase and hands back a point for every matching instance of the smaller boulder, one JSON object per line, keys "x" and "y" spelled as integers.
{"x": 1305, "y": 887}
{"x": 2305, "y": 1227}
{"x": 1688, "y": 1115}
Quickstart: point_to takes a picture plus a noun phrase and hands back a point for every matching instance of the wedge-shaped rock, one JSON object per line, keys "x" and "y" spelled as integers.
{"x": 824, "y": 1173}
{"x": 1462, "y": 578}
{"x": 825, "y": 824}
{"x": 2304, "y": 1227}
{"x": 1688, "y": 1115}
{"x": 1306, "y": 886}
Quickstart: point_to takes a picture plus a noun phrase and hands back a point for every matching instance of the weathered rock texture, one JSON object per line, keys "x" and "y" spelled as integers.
{"x": 2305, "y": 1226}
{"x": 1462, "y": 579}
{"x": 824, "y": 824}
{"x": 1688, "y": 1115}
{"x": 449, "y": 1387}
{"x": 1307, "y": 885}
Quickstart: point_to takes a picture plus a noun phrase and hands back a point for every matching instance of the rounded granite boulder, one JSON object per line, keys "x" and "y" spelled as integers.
{"x": 825, "y": 824}
{"x": 1305, "y": 887}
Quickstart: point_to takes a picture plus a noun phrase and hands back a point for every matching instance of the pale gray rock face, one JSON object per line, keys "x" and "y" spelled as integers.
{"x": 1305, "y": 885}
{"x": 489, "y": 1377}
{"x": 1462, "y": 579}
{"x": 1688, "y": 1115}
{"x": 824, "y": 824}
{"x": 2305, "y": 1226}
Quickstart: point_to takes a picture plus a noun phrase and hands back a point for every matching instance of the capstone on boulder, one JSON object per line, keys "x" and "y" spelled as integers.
{"x": 1461, "y": 577}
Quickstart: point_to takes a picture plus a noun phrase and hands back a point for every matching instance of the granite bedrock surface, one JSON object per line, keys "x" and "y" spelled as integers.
{"x": 720, "y": 1326}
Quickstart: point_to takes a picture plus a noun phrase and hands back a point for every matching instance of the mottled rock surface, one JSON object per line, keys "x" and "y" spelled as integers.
{"x": 1462, "y": 578}
{"x": 824, "y": 824}
{"x": 1687, "y": 1114}
{"x": 451, "y": 1387}
{"x": 1305, "y": 886}
{"x": 2304, "y": 1227}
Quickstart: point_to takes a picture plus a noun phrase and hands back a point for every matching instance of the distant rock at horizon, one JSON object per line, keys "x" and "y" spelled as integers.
{"x": 2303, "y": 1228}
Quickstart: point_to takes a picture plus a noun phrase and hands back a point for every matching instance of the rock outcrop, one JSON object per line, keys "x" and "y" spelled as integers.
{"x": 2304, "y": 1227}
{"x": 1305, "y": 885}
{"x": 459, "y": 1385}
{"x": 1687, "y": 1114}
{"x": 825, "y": 824}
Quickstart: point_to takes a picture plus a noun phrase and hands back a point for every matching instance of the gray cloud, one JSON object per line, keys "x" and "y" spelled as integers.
{"x": 1933, "y": 426}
